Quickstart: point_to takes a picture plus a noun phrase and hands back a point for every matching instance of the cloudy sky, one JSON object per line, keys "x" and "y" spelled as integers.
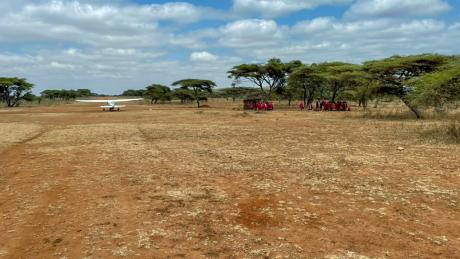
{"x": 109, "y": 46}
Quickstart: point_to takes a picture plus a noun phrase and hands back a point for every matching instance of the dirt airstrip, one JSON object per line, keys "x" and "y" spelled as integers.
{"x": 171, "y": 181}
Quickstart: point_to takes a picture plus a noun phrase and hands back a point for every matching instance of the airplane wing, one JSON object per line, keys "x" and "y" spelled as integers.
{"x": 92, "y": 101}
{"x": 127, "y": 100}
{"x": 106, "y": 101}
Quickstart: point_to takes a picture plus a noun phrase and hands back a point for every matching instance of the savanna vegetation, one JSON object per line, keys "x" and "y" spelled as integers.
{"x": 421, "y": 82}
{"x": 14, "y": 90}
{"x": 375, "y": 182}
{"x": 66, "y": 95}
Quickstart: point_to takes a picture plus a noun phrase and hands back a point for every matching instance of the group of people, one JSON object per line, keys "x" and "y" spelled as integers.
{"x": 326, "y": 105}
{"x": 262, "y": 106}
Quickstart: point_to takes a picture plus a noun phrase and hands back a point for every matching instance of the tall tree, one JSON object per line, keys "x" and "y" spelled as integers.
{"x": 364, "y": 91}
{"x": 13, "y": 90}
{"x": 340, "y": 76}
{"x": 394, "y": 73}
{"x": 307, "y": 80}
{"x": 134, "y": 92}
{"x": 268, "y": 77}
{"x": 157, "y": 93}
{"x": 198, "y": 87}
{"x": 438, "y": 89}
{"x": 184, "y": 95}
{"x": 254, "y": 73}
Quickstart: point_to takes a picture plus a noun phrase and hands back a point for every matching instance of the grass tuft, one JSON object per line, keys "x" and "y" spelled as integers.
{"x": 394, "y": 114}
{"x": 447, "y": 133}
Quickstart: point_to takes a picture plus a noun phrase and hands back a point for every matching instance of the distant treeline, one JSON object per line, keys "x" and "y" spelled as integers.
{"x": 161, "y": 93}
{"x": 66, "y": 95}
{"x": 419, "y": 81}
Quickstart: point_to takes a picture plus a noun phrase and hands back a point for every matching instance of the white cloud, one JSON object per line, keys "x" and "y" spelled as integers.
{"x": 250, "y": 33}
{"x": 397, "y": 8}
{"x": 203, "y": 56}
{"x": 271, "y": 8}
{"x": 99, "y": 24}
{"x": 113, "y": 45}
{"x": 323, "y": 39}
{"x": 60, "y": 65}
{"x": 315, "y": 25}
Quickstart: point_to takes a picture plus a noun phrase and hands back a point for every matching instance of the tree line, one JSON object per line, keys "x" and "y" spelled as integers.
{"x": 189, "y": 90}
{"x": 66, "y": 95}
{"x": 185, "y": 93}
{"x": 419, "y": 81}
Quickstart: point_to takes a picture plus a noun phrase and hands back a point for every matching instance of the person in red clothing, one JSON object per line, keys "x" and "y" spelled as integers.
{"x": 270, "y": 106}
{"x": 301, "y": 106}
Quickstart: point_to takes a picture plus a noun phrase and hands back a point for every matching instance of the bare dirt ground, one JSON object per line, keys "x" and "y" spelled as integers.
{"x": 169, "y": 181}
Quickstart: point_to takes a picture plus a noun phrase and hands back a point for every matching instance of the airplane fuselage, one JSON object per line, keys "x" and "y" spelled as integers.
{"x": 112, "y": 106}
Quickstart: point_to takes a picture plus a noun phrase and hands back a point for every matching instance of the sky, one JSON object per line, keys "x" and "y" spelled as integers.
{"x": 110, "y": 46}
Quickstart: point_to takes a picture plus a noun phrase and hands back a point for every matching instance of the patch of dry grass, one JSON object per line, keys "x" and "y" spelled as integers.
{"x": 11, "y": 133}
{"x": 448, "y": 133}
{"x": 222, "y": 183}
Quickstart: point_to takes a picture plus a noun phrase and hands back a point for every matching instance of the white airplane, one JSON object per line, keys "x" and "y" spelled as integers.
{"x": 111, "y": 104}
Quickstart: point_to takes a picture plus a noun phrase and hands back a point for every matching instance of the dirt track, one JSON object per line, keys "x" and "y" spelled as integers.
{"x": 177, "y": 182}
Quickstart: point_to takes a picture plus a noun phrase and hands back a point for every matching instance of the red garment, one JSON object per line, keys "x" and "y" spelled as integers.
{"x": 302, "y": 106}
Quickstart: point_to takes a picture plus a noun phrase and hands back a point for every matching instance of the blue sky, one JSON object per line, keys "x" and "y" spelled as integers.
{"x": 109, "y": 46}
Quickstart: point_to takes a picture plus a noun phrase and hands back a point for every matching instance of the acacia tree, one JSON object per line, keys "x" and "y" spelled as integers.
{"x": 364, "y": 92}
{"x": 157, "y": 93}
{"x": 254, "y": 73}
{"x": 288, "y": 93}
{"x": 268, "y": 77}
{"x": 184, "y": 95}
{"x": 395, "y": 73}
{"x": 133, "y": 92}
{"x": 438, "y": 89}
{"x": 339, "y": 75}
{"x": 13, "y": 90}
{"x": 307, "y": 80}
{"x": 197, "y": 86}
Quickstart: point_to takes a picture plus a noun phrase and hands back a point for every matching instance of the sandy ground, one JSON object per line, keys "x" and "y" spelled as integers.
{"x": 171, "y": 181}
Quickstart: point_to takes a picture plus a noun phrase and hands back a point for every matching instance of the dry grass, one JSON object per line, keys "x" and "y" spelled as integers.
{"x": 173, "y": 181}
{"x": 443, "y": 133}
{"x": 12, "y": 133}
